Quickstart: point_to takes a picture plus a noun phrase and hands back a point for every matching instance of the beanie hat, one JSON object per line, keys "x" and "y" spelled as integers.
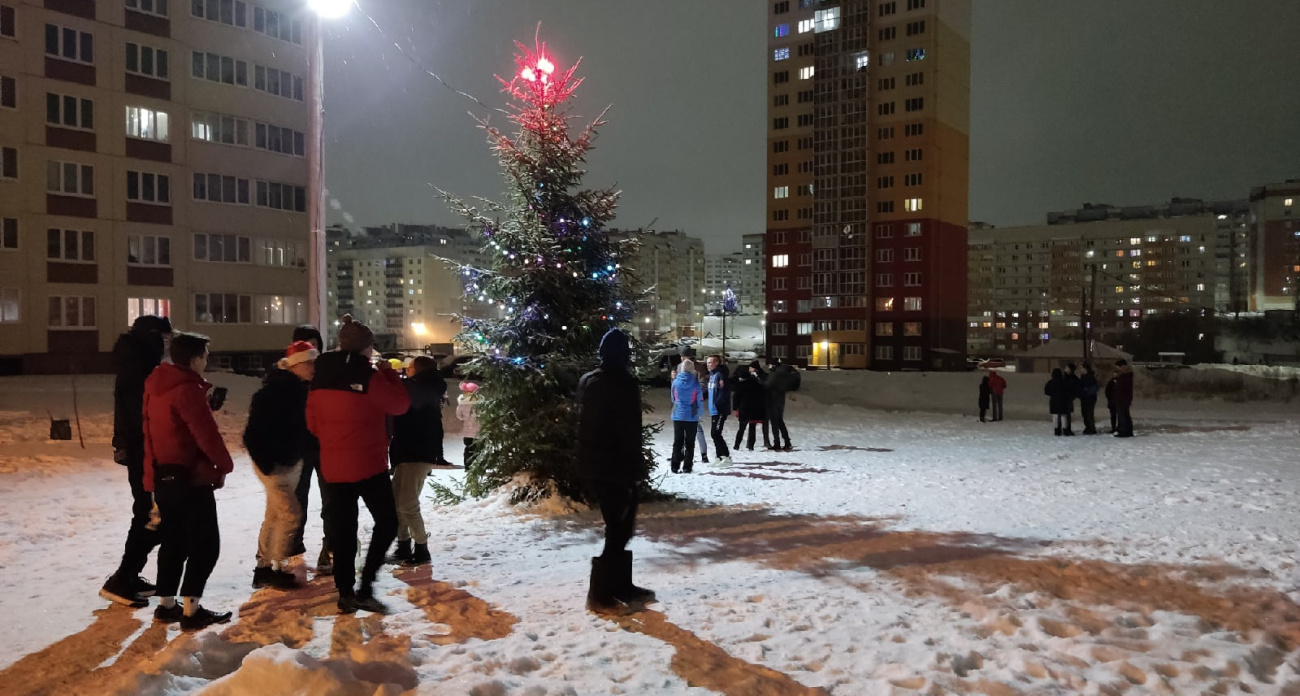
{"x": 687, "y": 366}
{"x": 298, "y": 352}
{"x": 756, "y": 365}
{"x": 615, "y": 351}
{"x": 150, "y": 323}
{"x": 355, "y": 337}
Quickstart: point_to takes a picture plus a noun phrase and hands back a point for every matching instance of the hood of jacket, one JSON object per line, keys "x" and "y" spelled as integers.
{"x": 167, "y": 377}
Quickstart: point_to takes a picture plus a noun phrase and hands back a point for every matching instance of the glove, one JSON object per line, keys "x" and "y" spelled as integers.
{"x": 217, "y": 398}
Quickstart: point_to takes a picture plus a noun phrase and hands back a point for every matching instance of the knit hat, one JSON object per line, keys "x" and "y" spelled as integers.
{"x": 355, "y": 337}
{"x": 755, "y": 364}
{"x": 615, "y": 351}
{"x": 308, "y": 333}
{"x": 468, "y": 387}
{"x": 687, "y": 366}
{"x": 298, "y": 352}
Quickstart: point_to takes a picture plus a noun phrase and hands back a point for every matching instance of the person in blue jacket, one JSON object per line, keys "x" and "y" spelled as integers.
{"x": 685, "y": 392}
{"x": 719, "y": 400}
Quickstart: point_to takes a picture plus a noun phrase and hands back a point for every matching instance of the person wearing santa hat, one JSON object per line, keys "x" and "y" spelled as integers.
{"x": 276, "y": 436}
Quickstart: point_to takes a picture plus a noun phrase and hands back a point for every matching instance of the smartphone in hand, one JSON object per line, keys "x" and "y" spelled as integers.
{"x": 217, "y": 398}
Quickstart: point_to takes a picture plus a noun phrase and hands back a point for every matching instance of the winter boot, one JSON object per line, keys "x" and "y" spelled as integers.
{"x": 403, "y": 551}
{"x": 419, "y": 556}
{"x": 704, "y": 459}
{"x": 324, "y": 563}
{"x": 363, "y": 600}
{"x": 284, "y": 580}
{"x": 625, "y": 591}
{"x": 601, "y": 590}
{"x": 1058, "y": 432}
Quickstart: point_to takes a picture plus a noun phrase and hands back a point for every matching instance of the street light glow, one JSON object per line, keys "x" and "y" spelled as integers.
{"x": 330, "y": 9}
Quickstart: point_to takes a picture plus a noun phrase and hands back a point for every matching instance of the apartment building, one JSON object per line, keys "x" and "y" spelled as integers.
{"x": 156, "y": 158}
{"x": 742, "y": 271}
{"x": 1028, "y": 284}
{"x": 1275, "y": 247}
{"x": 397, "y": 280}
{"x": 670, "y": 269}
{"x": 868, "y": 154}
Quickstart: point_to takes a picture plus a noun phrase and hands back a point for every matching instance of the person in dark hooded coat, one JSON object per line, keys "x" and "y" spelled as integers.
{"x": 782, "y": 380}
{"x": 1060, "y": 399}
{"x": 986, "y": 392}
{"x": 310, "y": 464}
{"x": 135, "y": 355}
{"x": 751, "y": 404}
{"x": 612, "y": 464}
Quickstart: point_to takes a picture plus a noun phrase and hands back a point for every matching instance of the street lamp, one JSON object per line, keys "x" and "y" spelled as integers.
{"x": 826, "y": 349}
{"x": 324, "y": 9}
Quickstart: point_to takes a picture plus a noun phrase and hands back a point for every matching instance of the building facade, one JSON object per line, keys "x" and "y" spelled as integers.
{"x": 868, "y": 153}
{"x": 397, "y": 280}
{"x": 155, "y": 158}
{"x": 743, "y": 271}
{"x": 1275, "y": 247}
{"x": 670, "y": 269}
{"x": 1030, "y": 285}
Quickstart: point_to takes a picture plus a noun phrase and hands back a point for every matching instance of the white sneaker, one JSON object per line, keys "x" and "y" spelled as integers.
{"x": 722, "y": 462}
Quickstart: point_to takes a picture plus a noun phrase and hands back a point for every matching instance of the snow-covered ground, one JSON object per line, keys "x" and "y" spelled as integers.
{"x": 903, "y": 548}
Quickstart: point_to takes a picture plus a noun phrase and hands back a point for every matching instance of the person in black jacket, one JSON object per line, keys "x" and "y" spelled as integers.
{"x": 1060, "y": 401}
{"x": 275, "y": 437}
{"x": 415, "y": 449}
{"x": 135, "y": 355}
{"x": 784, "y": 379}
{"x": 719, "y": 401}
{"x": 310, "y": 465}
{"x": 986, "y": 393}
{"x": 1088, "y": 389}
{"x": 751, "y": 404}
{"x": 612, "y": 464}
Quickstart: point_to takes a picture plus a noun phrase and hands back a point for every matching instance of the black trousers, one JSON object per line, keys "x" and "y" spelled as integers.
{"x": 740, "y": 432}
{"x": 140, "y": 539}
{"x": 683, "y": 445}
{"x": 1089, "y": 407}
{"x": 983, "y": 412}
{"x": 1113, "y": 417}
{"x": 1123, "y": 421}
{"x": 719, "y": 439}
{"x": 303, "y": 491}
{"x": 377, "y": 493}
{"x": 618, "y": 503}
{"x": 776, "y": 417}
{"x": 191, "y": 539}
{"x": 997, "y": 407}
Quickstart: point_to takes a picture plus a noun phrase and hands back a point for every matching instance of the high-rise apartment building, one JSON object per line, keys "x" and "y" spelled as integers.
{"x": 670, "y": 269}
{"x": 395, "y": 280}
{"x": 1275, "y": 247}
{"x": 868, "y": 157}
{"x": 1028, "y": 284}
{"x": 155, "y": 158}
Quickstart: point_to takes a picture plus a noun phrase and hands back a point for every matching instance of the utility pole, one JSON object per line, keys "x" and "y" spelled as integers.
{"x": 1092, "y": 309}
{"x": 1083, "y": 317}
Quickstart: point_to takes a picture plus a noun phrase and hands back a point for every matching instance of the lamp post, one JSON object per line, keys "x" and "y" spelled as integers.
{"x": 316, "y": 303}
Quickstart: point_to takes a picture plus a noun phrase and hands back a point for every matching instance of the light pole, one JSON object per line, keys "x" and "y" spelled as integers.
{"x": 324, "y": 9}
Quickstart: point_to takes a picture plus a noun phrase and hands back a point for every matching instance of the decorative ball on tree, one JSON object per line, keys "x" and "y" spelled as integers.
{"x": 553, "y": 283}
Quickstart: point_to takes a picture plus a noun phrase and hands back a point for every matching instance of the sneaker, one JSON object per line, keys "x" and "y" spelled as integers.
{"x": 202, "y": 618}
{"x": 351, "y": 604}
{"x": 723, "y": 462}
{"x": 144, "y": 588}
{"x": 114, "y": 590}
{"x": 263, "y": 576}
{"x": 325, "y": 563}
{"x": 168, "y": 615}
{"x": 284, "y": 580}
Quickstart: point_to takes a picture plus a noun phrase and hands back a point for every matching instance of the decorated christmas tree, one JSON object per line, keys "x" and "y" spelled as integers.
{"x": 554, "y": 285}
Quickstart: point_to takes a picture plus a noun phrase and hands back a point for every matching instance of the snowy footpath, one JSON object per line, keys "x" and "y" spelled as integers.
{"x": 892, "y": 552}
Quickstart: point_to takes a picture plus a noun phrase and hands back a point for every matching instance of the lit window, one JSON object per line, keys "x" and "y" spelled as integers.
{"x": 782, "y": 30}
{"x": 781, "y": 54}
{"x": 806, "y": 25}
{"x": 915, "y": 54}
{"x": 884, "y": 304}
{"x": 780, "y": 260}
{"x": 884, "y": 328}
{"x": 781, "y": 192}
{"x": 912, "y": 204}
{"x": 806, "y": 73}
{"x": 827, "y": 19}
{"x": 146, "y": 124}
{"x": 861, "y": 61}
{"x": 1287, "y": 202}
{"x": 911, "y": 328}
{"x": 911, "y": 304}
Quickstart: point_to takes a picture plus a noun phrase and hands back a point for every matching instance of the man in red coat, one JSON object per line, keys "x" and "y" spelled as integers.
{"x": 348, "y": 410}
{"x": 185, "y": 460}
{"x": 997, "y": 385}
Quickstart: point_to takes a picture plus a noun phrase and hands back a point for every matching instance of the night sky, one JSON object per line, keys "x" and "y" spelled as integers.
{"x": 1102, "y": 101}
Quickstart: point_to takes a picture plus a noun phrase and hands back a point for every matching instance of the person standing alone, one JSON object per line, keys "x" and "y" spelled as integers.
{"x": 784, "y": 379}
{"x": 348, "y": 410}
{"x": 185, "y": 462}
{"x": 135, "y": 355}
{"x": 1123, "y": 398}
{"x": 415, "y": 449}
{"x": 612, "y": 465}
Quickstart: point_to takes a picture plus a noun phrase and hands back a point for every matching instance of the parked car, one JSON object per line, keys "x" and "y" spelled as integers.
{"x": 451, "y": 365}
{"x": 992, "y": 363}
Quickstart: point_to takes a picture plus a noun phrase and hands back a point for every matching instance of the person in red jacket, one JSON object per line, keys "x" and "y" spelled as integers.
{"x": 348, "y": 410}
{"x": 997, "y": 385}
{"x": 185, "y": 460}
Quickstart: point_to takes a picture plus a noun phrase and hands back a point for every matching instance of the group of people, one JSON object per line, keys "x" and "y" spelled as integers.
{"x": 1063, "y": 389}
{"x": 368, "y": 433}
{"x": 754, "y": 396}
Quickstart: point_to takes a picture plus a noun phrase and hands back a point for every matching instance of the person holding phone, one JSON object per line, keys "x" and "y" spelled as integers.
{"x": 185, "y": 461}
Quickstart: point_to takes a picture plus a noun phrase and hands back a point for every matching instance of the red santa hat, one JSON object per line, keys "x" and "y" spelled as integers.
{"x": 298, "y": 352}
